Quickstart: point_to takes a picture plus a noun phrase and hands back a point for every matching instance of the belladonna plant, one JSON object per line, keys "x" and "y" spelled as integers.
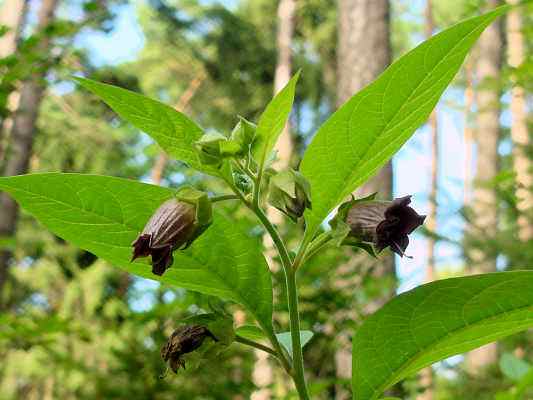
{"x": 185, "y": 238}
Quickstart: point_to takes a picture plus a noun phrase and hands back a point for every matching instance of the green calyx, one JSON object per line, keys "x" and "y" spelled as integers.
{"x": 243, "y": 135}
{"x": 340, "y": 230}
{"x": 214, "y": 147}
{"x": 290, "y": 193}
{"x": 203, "y": 209}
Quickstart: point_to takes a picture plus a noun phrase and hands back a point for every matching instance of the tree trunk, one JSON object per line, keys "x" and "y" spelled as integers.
{"x": 263, "y": 373}
{"x": 364, "y": 51}
{"x": 522, "y": 165}
{"x": 468, "y": 133}
{"x": 12, "y": 16}
{"x": 484, "y": 202}
{"x": 426, "y": 376}
{"x": 22, "y": 135}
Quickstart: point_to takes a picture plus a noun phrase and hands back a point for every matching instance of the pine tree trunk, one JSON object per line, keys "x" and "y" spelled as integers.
{"x": 426, "y": 375}
{"x": 522, "y": 165}
{"x": 364, "y": 51}
{"x": 484, "y": 202}
{"x": 22, "y": 135}
{"x": 263, "y": 373}
{"x": 468, "y": 133}
{"x": 12, "y": 16}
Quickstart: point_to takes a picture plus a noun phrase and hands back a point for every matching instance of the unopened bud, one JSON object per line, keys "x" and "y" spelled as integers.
{"x": 290, "y": 193}
{"x": 174, "y": 225}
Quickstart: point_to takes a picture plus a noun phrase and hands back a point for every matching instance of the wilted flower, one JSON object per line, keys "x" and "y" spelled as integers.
{"x": 174, "y": 225}
{"x": 184, "y": 340}
{"x": 382, "y": 223}
{"x": 290, "y": 193}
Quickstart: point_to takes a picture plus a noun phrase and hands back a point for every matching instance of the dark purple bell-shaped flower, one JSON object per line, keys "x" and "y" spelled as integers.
{"x": 384, "y": 223}
{"x": 183, "y": 340}
{"x": 171, "y": 227}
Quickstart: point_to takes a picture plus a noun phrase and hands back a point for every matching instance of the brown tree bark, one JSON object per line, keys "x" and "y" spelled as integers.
{"x": 364, "y": 51}
{"x": 12, "y": 13}
{"x": 468, "y": 133}
{"x": 12, "y": 16}
{"x": 484, "y": 202}
{"x": 522, "y": 164}
{"x": 22, "y": 135}
{"x": 426, "y": 375}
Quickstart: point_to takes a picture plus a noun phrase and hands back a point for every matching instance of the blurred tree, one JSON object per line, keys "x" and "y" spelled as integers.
{"x": 364, "y": 51}
{"x": 22, "y": 132}
{"x": 522, "y": 164}
{"x": 426, "y": 375}
{"x": 484, "y": 202}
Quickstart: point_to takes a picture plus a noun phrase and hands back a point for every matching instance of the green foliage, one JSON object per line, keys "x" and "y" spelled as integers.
{"x": 370, "y": 127}
{"x": 273, "y": 120}
{"x": 435, "y": 321}
{"x": 105, "y": 214}
{"x": 285, "y": 339}
{"x": 172, "y": 130}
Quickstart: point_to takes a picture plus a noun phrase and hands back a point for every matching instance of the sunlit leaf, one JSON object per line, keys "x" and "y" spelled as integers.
{"x": 104, "y": 215}
{"x": 363, "y": 134}
{"x": 436, "y": 321}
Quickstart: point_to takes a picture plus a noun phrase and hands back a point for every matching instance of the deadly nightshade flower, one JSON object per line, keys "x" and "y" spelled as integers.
{"x": 382, "y": 223}
{"x": 174, "y": 225}
{"x": 290, "y": 193}
{"x": 183, "y": 340}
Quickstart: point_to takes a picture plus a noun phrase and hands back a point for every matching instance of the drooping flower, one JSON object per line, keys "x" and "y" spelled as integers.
{"x": 174, "y": 225}
{"x": 183, "y": 340}
{"x": 382, "y": 223}
{"x": 290, "y": 193}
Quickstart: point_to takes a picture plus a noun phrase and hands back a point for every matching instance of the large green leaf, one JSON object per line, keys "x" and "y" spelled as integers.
{"x": 435, "y": 321}
{"x": 172, "y": 130}
{"x": 370, "y": 127}
{"x": 105, "y": 214}
{"x": 273, "y": 120}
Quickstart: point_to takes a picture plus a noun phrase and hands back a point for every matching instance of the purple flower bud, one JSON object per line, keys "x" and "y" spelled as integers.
{"x": 184, "y": 340}
{"x": 384, "y": 223}
{"x": 171, "y": 227}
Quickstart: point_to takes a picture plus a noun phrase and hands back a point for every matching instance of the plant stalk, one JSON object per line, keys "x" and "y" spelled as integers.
{"x": 292, "y": 294}
{"x": 297, "y": 355}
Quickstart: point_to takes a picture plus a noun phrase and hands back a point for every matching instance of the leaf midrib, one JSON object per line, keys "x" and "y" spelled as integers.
{"x": 341, "y": 197}
{"x": 219, "y": 278}
{"x": 419, "y": 354}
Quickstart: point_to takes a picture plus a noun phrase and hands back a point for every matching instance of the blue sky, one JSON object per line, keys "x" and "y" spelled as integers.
{"x": 411, "y": 164}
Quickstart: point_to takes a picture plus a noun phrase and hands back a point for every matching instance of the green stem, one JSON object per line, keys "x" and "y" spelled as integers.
{"x": 289, "y": 269}
{"x": 223, "y": 197}
{"x": 292, "y": 295}
{"x": 251, "y": 343}
{"x": 297, "y": 355}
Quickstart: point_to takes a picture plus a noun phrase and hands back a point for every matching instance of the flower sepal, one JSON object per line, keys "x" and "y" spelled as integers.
{"x": 290, "y": 193}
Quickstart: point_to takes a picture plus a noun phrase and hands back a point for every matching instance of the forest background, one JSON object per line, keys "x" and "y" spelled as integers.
{"x": 75, "y": 327}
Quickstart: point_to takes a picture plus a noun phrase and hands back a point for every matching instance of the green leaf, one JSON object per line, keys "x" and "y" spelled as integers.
{"x": 250, "y": 332}
{"x": 285, "y": 339}
{"x": 363, "y": 134}
{"x": 105, "y": 214}
{"x": 435, "y": 321}
{"x": 172, "y": 130}
{"x": 513, "y": 367}
{"x": 273, "y": 120}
